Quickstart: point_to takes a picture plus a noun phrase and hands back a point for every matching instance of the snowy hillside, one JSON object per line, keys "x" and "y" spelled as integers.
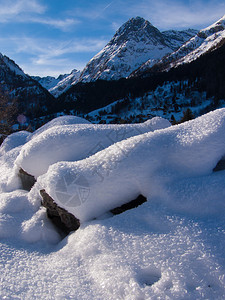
{"x": 7, "y": 63}
{"x": 169, "y": 100}
{"x": 204, "y": 41}
{"x": 170, "y": 247}
{"x": 176, "y": 38}
{"x": 134, "y": 43}
{"x": 57, "y": 86}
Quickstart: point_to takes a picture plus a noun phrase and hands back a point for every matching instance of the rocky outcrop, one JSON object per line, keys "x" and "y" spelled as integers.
{"x": 220, "y": 165}
{"x": 67, "y": 222}
{"x": 64, "y": 220}
{"x": 27, "y": 180}
{"x": 132, "y": 204}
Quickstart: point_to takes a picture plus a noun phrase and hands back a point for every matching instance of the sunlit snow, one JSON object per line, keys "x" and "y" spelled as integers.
{"x": 171, "y": 247}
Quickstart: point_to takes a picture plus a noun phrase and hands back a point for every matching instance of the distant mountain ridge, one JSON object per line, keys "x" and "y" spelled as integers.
{"x": 206, "y": 40}
{"x": 59, "y": 85}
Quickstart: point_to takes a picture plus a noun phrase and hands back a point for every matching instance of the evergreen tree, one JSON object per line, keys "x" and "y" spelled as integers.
{"x": 187, "y": 115}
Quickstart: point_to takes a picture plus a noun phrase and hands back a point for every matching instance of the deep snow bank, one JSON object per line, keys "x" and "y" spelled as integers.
{"x": 171, "y": 247}
{"x": 54, "y": 143}
{"x": 14, "y": 140}
{"x": 144, "y": 164}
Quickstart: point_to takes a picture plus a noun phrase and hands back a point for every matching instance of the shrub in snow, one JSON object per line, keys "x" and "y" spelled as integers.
{"x": 75, "y": 142}
{"x": 146, "y": 164}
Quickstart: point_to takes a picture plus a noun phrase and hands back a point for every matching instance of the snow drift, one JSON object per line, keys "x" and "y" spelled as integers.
{"x": 145, "y": 164}
{"x": 171, "y": 247}
{"x": 59, "y": 141}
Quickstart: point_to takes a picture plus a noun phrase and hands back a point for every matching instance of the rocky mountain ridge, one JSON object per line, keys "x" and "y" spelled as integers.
{"x": 206, "y": 40}
{"x": 59, "y": 85}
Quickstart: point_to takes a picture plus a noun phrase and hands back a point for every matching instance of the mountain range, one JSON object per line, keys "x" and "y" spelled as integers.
{"x": 134, "y": 43}
{"x": 137, "y": 51}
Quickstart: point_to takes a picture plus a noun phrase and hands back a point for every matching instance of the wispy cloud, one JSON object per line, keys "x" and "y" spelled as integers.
{"x": 31, "y": 11}
{"x": 55, "y": 48}
{"x": 11, "y": 8}
{"x": 57, "y": 23}
{"x": 52, "y": 57}
{"x": 178, "y": 14}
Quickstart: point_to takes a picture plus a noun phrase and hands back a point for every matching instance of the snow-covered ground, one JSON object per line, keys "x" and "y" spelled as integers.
{"x": 171, "y": 247}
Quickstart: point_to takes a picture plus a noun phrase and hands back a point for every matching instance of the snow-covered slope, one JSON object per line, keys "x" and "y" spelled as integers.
{"x": 7, "y": 63}
{"x": 171, "y": 247}
{"x": 206, "y": 40}
{"x": 134, "y": 43}
{"x": 175, "y": 38}
{"x": 57, "y": 86}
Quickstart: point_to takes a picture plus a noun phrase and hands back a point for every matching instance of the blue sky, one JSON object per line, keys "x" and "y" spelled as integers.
{"x": 52, "y": 37}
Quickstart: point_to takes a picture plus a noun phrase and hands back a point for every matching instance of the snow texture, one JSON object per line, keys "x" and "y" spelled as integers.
{"x": 144, "y": 164}
{"x": 63, "y": 120}
{"x": 171, "y": 247}
{"x": 74, "y": 142}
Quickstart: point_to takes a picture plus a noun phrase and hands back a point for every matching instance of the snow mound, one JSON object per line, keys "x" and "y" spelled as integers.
{"x": 145, "y": 164}
{"x": 63, "y": 120}
{"x": 14, "y": 140}
{"x": 171, "y": 247}
{"x": 55, "y": 143}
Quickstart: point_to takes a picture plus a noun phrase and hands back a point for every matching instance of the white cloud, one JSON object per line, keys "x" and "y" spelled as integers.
{"x": 57, "y": 23}
{"x": 12, "y": 8}
{"x": 55, "y": 48}
{"x": 179, "y": 14}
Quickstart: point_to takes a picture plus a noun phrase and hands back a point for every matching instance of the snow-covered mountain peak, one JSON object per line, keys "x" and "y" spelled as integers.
{"x": 138, "y": 29}
{"x": 133, "y": 44}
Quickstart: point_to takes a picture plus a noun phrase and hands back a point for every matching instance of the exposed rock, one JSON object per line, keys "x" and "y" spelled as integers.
{"x": 220, "y": 165}
{"x": 27, "y": 180}
{"x": 132, "y": 204}
{"x": 64, "y": 220}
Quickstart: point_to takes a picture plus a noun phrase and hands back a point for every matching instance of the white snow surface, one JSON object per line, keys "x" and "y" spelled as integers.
{"x": 171, "y": 247}
{"x": 14, "y": 140}
{"x": 59, "y": 121}
{"x": 145, "y": 164}
{"x": 74, "y": 142}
